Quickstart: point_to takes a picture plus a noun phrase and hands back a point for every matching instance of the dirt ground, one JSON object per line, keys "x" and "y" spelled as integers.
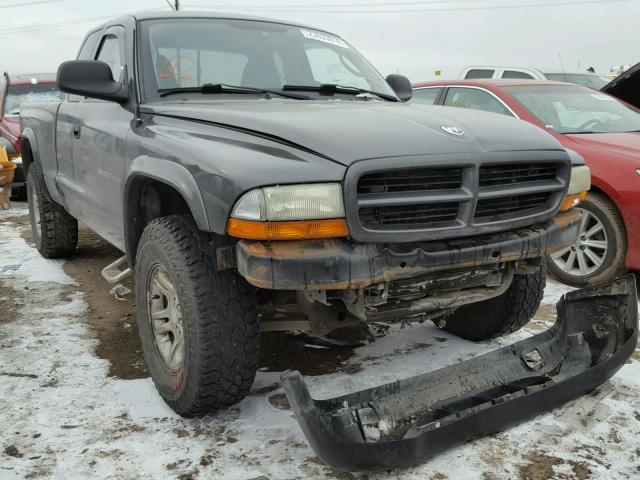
{"x": 112, "y": 327}
{"x": 115, "y": 321}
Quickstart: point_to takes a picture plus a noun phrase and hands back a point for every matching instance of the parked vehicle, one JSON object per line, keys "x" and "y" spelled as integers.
{"x": 14, "y": 90}
{"x": 263, "y": 175}
{"x": 587, "y": 79}
{"x": 603, "y": 130}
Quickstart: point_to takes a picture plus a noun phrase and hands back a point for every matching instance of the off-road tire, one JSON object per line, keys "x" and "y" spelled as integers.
{"x": 614, "y": 261}
{"x": 219, "y": 319}
{"x": 501, "y": 315}
{"x": 57, "y": 236}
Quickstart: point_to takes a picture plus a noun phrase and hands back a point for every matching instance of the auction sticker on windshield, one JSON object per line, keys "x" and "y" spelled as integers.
{"x": 324, "y": 37}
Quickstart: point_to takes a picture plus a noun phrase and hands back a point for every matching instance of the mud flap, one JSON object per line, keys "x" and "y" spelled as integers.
{"x": 405, "y": 422}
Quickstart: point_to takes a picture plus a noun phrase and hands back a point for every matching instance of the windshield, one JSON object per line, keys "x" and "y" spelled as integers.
{"x": 18, "y": 94}
{"x": 189, "y": 53}
{"x": 593, "y": 81}
{"x": 574, "y": 109}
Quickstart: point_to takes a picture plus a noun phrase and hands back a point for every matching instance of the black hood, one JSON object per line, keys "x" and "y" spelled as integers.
{"x": 347, "y": 131}
{"x": 626, "y": 86}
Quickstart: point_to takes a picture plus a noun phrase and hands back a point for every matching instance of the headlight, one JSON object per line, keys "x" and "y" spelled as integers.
{"x": 579, "y": 185}
{"x": 290, "y": 212}
{"x": 580, "y": 180}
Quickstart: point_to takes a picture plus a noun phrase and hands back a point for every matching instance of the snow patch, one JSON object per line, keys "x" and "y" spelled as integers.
{"x": 67, "y": 419}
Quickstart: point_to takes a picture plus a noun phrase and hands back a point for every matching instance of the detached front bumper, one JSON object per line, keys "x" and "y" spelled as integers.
{"x": 408, "y": 421}
{"x": 341, "y": 264}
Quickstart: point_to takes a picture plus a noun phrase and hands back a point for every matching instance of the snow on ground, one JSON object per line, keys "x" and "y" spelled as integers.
{"x": 62, "y": 417}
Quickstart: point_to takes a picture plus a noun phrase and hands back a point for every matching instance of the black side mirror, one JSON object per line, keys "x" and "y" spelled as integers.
{"x": 90, "y": 78}
{"x": 401, "y": 86}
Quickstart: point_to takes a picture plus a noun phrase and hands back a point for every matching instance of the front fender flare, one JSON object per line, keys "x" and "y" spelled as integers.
{"x": 177, "y": 177}
{"x": 171, "y": 174}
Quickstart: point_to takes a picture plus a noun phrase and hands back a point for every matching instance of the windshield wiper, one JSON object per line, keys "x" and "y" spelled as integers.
{"x": 224, "y": 88}
{"x": 332, "y": 89}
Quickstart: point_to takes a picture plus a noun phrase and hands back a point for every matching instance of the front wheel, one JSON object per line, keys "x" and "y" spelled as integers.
{"x": 598, "y": 255}
{"x": 198, "y": 326}
{"x": 501, "y": 315}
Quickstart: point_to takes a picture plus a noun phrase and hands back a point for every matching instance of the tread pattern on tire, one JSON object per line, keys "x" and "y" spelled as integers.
{"x": 502, "y": 315}
{"x": 59, "y": 230}
{"x": 223, "y": 353}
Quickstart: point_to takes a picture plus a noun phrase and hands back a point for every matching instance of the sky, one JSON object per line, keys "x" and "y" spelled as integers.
{"x": 411, "y": 37}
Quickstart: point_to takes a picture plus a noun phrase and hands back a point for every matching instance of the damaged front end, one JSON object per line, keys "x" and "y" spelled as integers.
{"x": 410, "y": 420}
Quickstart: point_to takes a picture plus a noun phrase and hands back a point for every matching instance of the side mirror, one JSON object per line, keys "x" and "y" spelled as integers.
{"x": 90, "y": 78}
{"x": 401, "y": 86}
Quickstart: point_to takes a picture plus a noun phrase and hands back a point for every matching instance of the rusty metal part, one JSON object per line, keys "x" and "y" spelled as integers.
{"x": 324, "y": 317}
{"x": 442, "y": 302}
{"x": 340, "y": 264}
{"x": 225, "y": 258}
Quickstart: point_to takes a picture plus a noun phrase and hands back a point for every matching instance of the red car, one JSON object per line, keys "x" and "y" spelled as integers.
{"x": 14, "y": 90}
{"x": 604, "y": 130}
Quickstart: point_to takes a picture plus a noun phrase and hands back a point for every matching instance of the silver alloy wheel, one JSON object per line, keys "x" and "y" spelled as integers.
{"x": 588, "y": 252}
{"x": 165, "y": 317}
{"x": 35, "y": 205}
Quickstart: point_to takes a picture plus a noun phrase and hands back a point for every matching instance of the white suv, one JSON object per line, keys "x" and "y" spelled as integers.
{"x": 587, "y": 79}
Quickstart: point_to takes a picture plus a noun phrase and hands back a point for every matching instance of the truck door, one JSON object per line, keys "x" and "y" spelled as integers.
{"x": 65, "y": 141}
{"x": 100, "y": 130}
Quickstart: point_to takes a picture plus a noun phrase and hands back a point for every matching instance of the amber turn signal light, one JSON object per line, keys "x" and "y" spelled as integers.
{"x": 296, "y": 230}
{"x": 571, "y": 201}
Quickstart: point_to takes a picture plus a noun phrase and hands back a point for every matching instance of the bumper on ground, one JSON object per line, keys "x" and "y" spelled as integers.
{"x": 341, "y": 264}
{"x": 407, "y": 421}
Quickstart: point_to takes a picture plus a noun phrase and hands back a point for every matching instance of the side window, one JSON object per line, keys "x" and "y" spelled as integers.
{"x": 475, "y": 99}
{"x": 87, "y": 47}
{"x": 426, "y": 96}
{"x": 86, "y": 53}
{"x": 110, "y": 54}
{"x": 516, "y": 74}
{"x": 479, "y": 73}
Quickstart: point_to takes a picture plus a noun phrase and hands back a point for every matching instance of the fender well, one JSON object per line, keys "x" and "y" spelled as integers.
{"x": 157, "y": 188}
{"x": 28, "y": 149}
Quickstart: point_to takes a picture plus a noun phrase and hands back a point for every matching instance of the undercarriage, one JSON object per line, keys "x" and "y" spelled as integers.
{"x": 425, "y": 297}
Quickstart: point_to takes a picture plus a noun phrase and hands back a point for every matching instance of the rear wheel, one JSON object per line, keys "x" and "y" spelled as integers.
{"x": 598, "y": 255}
{"x": 198, "y": 326}
{"x": 501, "y": 315}
{"x": 54, "y": 231}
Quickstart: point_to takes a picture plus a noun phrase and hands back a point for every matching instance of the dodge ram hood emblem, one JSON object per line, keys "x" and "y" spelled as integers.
{"x": 452, "y": 130}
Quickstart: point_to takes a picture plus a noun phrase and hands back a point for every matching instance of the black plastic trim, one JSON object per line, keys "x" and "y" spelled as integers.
{"x": 596, "y": 332}
{"x": 336, "y": 264}
{"x": 467, "y": 194}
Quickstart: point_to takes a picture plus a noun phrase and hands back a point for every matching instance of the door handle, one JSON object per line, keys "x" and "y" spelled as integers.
{"x": 76, "y": 129}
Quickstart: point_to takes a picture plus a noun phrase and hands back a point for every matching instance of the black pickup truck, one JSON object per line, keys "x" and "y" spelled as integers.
{"x": 259, "y": 174}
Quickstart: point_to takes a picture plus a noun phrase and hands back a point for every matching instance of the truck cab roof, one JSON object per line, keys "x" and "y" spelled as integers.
{"x": 159, "y": 15}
